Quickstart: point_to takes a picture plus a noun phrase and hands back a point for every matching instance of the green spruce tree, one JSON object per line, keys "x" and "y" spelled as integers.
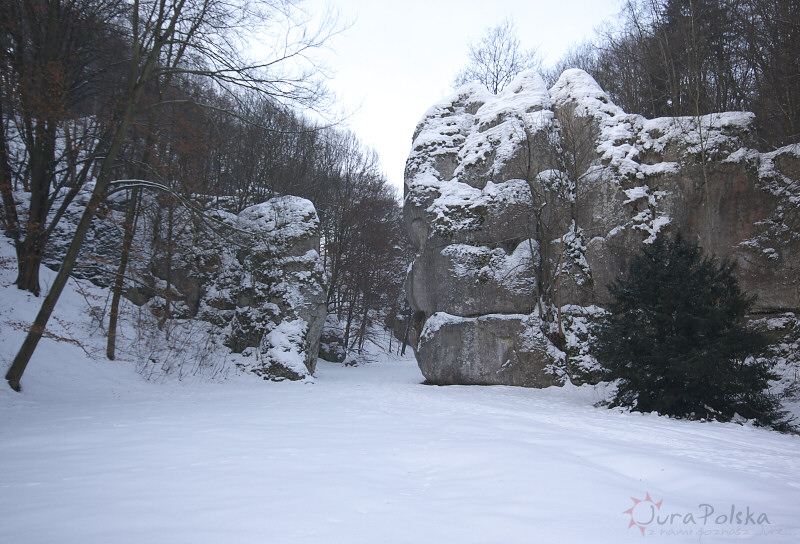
{"x": 676, "y": 339}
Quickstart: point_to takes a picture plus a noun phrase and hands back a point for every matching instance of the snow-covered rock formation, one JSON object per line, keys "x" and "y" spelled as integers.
{"x": 536, "y": 199}
{"x": 256, "y": 277}
{"x": 270, "y": 287}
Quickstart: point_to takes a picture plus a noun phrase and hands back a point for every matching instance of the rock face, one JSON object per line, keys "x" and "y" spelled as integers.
{"x": 536, "y": 199}
{"x": 493, "y": 349}
{"x": 274, "y": 279}
{"x": 256, "y": 277}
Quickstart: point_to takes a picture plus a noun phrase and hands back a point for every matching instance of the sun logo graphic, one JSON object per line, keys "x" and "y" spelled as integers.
{"x": 643, "y": 511}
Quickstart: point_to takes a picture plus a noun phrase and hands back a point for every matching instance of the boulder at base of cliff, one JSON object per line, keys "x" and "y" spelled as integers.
{"x": 494, "y": 349}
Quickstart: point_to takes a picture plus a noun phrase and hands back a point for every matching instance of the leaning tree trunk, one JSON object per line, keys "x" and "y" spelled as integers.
{"x": 36, "y": 330}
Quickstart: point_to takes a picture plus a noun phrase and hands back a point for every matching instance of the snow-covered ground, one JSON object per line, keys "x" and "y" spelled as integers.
{"x": 90, "y": 452}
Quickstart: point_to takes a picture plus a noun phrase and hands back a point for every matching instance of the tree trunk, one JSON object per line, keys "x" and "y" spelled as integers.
{"x": 346, "y": 339}
{"x": 9, "y": 206}
{"x": 28, "y": 265}
{"x": 168, "y": 279}
{"x": 129, "y": 227}
{"x": 31, "y": 250}
{"x": 362, "y": 331}
{"x": 558, "y": 292}
{"x": 405, "y": 334}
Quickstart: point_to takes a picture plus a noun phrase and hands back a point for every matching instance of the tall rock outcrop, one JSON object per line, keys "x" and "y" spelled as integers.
{"x": 536, "y": 199}
{"x": 271, "y": 287}
{"x": 256, "y": 277}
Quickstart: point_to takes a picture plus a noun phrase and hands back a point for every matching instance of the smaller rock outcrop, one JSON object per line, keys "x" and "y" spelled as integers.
{"x": 256, "y": 277}
{"x": 271, "y": 276}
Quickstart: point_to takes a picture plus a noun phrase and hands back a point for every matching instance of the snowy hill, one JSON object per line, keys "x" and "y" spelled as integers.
{"x": 91, "y": 452}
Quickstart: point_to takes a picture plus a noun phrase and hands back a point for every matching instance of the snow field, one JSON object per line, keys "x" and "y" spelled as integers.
{"x": 90, "y": 452}
{"x": 368, "y": 454}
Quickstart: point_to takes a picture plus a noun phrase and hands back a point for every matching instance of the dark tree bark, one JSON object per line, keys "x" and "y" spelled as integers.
{"x": 129, "y": 228}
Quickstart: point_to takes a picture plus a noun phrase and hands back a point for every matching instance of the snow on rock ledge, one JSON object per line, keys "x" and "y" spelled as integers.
{"x": 549, "y": 193}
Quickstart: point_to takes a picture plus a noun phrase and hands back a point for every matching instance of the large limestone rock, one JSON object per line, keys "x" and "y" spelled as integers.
{"x": 273, "y": 276}
{"x": 256, "y": 277}
{"x": 492, "y": 349}
{"x": 546, "y": 194}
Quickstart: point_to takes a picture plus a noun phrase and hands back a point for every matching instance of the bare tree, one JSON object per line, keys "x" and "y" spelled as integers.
{"x": 556, "y": 161}
{"x": 196, "y": 38}
{"x": 497, "y": 58}
{"x": 583, "y": 55}
{"x": 772, "y": 46}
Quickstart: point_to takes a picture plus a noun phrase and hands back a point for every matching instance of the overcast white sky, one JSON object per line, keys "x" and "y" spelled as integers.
{"x": 399, "y": 57}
